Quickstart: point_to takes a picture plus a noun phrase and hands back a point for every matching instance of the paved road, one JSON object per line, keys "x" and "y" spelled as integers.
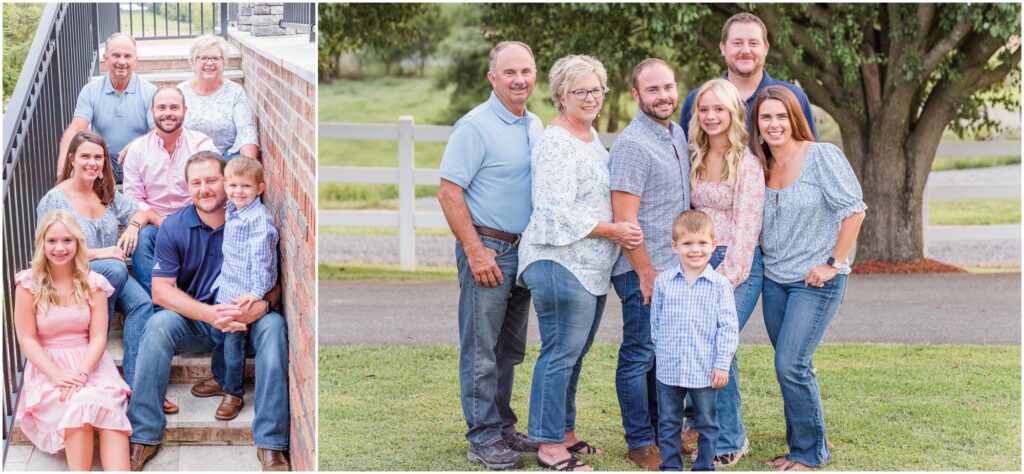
{"x": 917, "y": 309}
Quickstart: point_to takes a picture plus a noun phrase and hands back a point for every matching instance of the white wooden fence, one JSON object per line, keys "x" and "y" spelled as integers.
{"x": 407, "y": 176}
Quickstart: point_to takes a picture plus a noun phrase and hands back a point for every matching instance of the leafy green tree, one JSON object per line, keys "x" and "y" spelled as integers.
{"x": 894, "y": 76}
{"x": 347, "y": 27}
{"x": 20, "y": 23}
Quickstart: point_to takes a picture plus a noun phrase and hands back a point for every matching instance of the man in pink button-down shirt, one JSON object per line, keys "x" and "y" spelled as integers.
{"x": 154, "y": 172}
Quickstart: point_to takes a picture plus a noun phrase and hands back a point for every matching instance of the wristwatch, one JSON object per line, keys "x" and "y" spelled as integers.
{"x": 833, "y": 263}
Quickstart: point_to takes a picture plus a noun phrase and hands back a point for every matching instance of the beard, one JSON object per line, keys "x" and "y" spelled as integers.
{"x": 171, "y": 129}
{"x": 212, "y": 209}
{"x": 649, "y": 109}
{"x": 734, "y": 70}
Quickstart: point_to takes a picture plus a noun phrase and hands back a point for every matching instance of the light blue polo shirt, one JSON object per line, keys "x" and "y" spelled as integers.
{"x": 488, "y": 156}
{"x": 119, "y": 118}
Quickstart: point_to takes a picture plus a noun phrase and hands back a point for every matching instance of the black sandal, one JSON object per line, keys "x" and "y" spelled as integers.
{"x": 581, "y": 447}
{"x": 566, "y": 465}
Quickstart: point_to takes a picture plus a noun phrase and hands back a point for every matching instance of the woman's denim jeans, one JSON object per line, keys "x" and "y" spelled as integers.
{"x": 568, "y": 317}
{"x": 133, "y": 301}
{"x": 730, "y": 417}
{"x": 796, "y": 317}
{"x": 492, "y": 342}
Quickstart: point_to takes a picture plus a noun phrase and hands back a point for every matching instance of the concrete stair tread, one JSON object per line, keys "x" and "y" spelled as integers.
{"x": 169, "y": 458}
{"x": 195, "y": 422}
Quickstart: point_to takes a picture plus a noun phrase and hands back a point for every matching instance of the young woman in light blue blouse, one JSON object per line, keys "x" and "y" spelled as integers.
{"x": 85, "y": 187}
{"x": 217, "y": 106}
{"x": 567, "y": 253}
{"x": 813, "y": 210}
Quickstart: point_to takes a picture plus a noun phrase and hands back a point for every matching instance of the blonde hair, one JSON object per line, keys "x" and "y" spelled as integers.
{"x": 204, "y": 42}
{"x": 42, "y": 274}
{"x": 568, "y": 70}
{"x": 692, "y": 222}
{"x": 245, "y": 166}
{"x": 700, "y": 142}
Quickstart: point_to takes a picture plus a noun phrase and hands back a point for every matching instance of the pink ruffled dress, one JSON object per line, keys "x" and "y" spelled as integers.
{"x": 103, "y": 402}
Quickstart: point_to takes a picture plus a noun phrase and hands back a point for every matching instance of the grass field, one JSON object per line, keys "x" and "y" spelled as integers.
{"x": 887, "y": 407}
{"x": 974, "y": 212}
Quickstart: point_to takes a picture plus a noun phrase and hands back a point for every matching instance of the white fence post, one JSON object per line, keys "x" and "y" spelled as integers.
{"x": 406, "y": 194}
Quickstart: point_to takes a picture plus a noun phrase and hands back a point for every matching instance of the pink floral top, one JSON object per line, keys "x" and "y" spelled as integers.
{"x": 737, "y": 214}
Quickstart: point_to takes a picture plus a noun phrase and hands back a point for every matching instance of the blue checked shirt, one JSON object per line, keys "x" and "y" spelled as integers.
{"x": 694, "y": 327}
{"x": 250, "y": 253}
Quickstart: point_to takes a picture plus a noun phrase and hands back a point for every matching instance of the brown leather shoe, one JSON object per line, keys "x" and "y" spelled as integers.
{"x": 688, "y": 440}
{"x": 139, "y": 454}
{"x": 229, "y": 407}
{"x": 647, "y": 457}
{"x": 271, "y": 460}
{"x": 207, "y": 388}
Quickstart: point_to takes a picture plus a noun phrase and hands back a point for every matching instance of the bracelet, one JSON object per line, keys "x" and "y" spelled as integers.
{"x": 270, "y": 307}
{"x": 136, "y": 224}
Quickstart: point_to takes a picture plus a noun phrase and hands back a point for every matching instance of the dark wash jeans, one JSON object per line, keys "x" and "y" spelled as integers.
{"x": 635, "y": 383}
{"x": 670, "y": 400}
{"x": 796, "y": 317}
{"x": 492, "y": 341}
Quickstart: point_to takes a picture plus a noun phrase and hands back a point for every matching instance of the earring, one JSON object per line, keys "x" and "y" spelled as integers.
{"x": 99, "y": 177}
{"x": 760, "y": 139}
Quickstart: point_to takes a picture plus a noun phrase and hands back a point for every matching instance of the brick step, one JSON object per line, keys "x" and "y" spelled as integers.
{"x": 187, "y": 368}
{"x": 194, "y": 424}
{"x": 174, "y": 78}
{"x": 170, "y": 458}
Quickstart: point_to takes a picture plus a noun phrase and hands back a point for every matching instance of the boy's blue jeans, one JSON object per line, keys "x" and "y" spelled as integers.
{"x": 568, "y": 317}
{"x": 231, "y": 355}
{"x": 492, "y": 341}
{"x": 796, "y": 317}
{"x": 670, "y": 426}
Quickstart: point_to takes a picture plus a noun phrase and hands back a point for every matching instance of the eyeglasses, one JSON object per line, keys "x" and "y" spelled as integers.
{"x": 209, "y": 59}
{"x": 581, "y": 94}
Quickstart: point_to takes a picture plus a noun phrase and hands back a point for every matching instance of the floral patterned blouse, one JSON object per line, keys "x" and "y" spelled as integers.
{"x": 224, "y": 116}
{"x": 570, "y": 196}
{"x": 737, "y": 214}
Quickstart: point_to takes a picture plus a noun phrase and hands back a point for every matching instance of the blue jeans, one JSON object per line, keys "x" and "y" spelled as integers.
{"x": 136, "y": 305}
{"x": 635, "y": 383}
{"x": 169, "y": 333}
{"x": 492, "y": 341}
{"x": 670, "y": 426}
{"x": 142, "y": 257}
{"x": 568, "y": 317}
{"x": 117, "y": 169}
{"x": 232, "y": 354}
{"x": 730, "y": 416}
{"x": 796, "y": 317}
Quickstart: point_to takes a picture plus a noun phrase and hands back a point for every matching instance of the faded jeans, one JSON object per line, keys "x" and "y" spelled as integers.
{"x": 635, "y": 383}
{"x": 492, "y": 342}
{"x": 133, "y": 301}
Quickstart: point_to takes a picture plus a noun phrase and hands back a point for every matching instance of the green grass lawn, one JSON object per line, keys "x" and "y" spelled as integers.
{"x": 887, "y": 407}
{"x": 945, "y": 163}
{"x": 974, "y": 212}
{"x": 331, "y": 271}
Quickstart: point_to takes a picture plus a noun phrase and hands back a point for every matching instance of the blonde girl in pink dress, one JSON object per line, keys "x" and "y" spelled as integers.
{"x": 71, "y": 386}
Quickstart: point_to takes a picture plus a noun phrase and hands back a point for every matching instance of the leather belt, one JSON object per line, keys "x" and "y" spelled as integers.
{"x": 497, "y": 234}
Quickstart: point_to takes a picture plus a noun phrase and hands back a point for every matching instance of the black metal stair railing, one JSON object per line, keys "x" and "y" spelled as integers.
{"x": 58, "y": 64}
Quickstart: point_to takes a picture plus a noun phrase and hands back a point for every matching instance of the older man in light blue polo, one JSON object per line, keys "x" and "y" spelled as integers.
{"x": 485, "y": 195}
{"x": 116, "y": 105}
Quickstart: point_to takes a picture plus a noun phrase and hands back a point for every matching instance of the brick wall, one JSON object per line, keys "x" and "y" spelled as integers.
{"x": 285, "y": 107}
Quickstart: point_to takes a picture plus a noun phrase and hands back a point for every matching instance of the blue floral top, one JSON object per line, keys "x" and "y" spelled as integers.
{"x": 801, "y": 221}
{"x": 99, "y": 233}
{"x": 224, "y": 116}
{"x": 570, "y": 196}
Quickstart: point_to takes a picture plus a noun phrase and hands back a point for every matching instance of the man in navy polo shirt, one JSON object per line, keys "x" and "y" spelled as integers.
{"x": 744, "y": 46}
{"x": 188, "y": 260}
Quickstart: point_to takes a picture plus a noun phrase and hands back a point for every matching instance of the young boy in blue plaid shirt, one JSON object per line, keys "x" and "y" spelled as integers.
{"x": 249, "y": 270}
{"x": 695, "y": 331}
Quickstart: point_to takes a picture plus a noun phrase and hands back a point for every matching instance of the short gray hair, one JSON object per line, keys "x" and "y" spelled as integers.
{"x": 118, "y": 34}
{"x": 501, "y": 46}
{"x": 206, "y": 41}
{"x": 568, "y": 70}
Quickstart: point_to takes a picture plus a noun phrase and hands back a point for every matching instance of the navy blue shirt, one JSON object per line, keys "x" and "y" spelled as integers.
{"x": 687, "y": 111}
{"x": 190, "y": 252}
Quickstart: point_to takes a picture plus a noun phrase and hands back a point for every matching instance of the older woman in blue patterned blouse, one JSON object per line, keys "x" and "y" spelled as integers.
{"x": 217, "y": 106}
{"x": 813, "y": 209}
{"x": 567, "y": 254}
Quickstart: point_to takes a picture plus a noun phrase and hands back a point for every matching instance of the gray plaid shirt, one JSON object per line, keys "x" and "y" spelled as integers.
{"x": 652, "y": 162}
